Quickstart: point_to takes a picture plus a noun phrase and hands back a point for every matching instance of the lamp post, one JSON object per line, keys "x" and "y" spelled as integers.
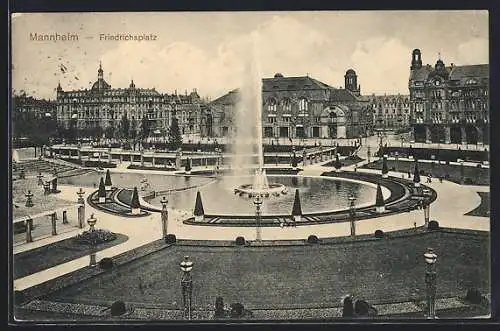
{"x": 91, "y": 222}
{"x": 164, "y": 216}
{"x": 369, "y": 153}
{"x": 187, "y": 286}
{"x": 430, "y": 282}
{"x": 352, "y": 214}
{"x": 257, "y": 201}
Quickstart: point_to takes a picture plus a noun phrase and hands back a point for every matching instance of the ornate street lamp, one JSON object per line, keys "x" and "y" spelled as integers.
{"x": 430, "y": 282}
{"x": 187, "y": 286}
{"x": 257, "y": 201}
{"x": 352, "y": 214}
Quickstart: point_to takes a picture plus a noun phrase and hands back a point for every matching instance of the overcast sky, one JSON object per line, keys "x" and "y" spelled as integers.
{"x": 208, "y": 51}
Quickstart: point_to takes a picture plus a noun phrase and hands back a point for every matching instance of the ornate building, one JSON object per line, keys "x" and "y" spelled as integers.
{"x": 29, "y": 113}
{"x": 390, "y": 112}
{"x": 449, "y": 104}
{"x": 102, "y": 107}
{"x": 297, "y": 107}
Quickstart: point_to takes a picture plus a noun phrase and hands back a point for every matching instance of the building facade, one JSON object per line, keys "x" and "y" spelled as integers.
{"x": 301, "y": 107}
{"x": 28, "y": 113}
{"x": 390, "y": 112}
{"x": 449, "y": 104}
{"x": 102, "y": 107}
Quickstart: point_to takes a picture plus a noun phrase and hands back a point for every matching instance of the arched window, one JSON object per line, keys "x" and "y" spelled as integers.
{"x": 303, "y": 105}
{"x": 287, "y": 106}
{"x": 271, "y": 104}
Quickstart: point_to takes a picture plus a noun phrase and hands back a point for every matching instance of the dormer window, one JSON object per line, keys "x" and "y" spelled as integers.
{"x": 471, "y": 81}
{"x": 437, "y": 83}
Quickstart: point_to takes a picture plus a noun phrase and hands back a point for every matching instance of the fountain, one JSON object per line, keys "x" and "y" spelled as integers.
{"x": 247, "y": 137}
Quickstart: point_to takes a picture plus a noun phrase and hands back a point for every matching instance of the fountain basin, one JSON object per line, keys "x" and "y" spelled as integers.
{"x": 272, "y": 190}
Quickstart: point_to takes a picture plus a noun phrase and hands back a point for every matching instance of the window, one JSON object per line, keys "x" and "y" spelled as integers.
{"x": 287, "y": 106}
{"x": 303, "y": 104}
{"x": 272, "y": 119}
{"x": 286, "y": 119}
{"x": 271, "y": 104}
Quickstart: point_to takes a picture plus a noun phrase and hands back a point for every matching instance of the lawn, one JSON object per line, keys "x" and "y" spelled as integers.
{"x": 386, "y": 270}
{"x": 472, "y": 175}
{"x": 483, "y": 210}
{"x": 48, "y": 256}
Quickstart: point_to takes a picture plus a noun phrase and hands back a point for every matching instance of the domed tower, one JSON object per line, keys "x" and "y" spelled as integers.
{"x": 416, "y": 59}
{"x": 351, "y": 82}
{"x": 132, "y": 85}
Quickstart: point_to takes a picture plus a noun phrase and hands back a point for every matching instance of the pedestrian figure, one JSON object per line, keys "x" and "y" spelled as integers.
{"x": 440, "y": 179}
{"x": 409, "y": 174}
{"x": 415, "y": 225}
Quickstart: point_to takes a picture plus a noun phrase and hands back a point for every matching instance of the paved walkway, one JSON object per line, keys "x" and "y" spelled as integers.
{"x": 452, "y": 203}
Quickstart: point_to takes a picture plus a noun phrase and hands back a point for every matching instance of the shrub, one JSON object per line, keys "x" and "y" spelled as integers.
{"x": 312, "y": 239}
{"x": 106, "y": 263}
{"x": 433, "y": 225}
{"x": 468, "y": 181}
{"x": 379, "y": 234}
{"x": 361, "y": 308}
{"x": 219, "y": 307}
{"x": 237, "y": 310}
{"x": 474, "y": 296}
{"x": 240, "y": 241}
{"x": 170, "y": 238}
{"x": 348, "y": 309}
{"x": 118, "y": 308}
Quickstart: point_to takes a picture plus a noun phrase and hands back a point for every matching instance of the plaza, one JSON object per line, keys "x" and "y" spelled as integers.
{"x": 211, "y": 247}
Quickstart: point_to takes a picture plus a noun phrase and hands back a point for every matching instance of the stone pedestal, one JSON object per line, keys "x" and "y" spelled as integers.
{"x": 29, "y": 227}
{"x": 153, "y": 161}
{"x": 426, "y": 215}
{"x": 121, "y": 158}
{"x": 54, "y": 223}
{"x": 164, "y": 222}
{"x": 81, "y": 216}
{"x": 142, "y": 159}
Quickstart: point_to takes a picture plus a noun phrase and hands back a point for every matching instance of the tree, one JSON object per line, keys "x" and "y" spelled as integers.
{"x": 125, "y": 127}
{"x": 110, "y": 132}
{"x": 174, "y": 135}
{"x": 133, "y": 131}
{"x": 145, "y": 127}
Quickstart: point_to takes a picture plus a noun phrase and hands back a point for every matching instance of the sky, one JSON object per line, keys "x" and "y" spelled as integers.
{"x": 209, "y": 51}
